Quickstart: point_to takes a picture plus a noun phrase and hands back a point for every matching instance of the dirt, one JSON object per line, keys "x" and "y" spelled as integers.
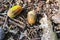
{"x": 18, "y": 28}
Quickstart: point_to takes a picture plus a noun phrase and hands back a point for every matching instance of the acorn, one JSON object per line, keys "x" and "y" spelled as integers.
{"x": 14, "y": 11}
{"x": 31, "y": 17}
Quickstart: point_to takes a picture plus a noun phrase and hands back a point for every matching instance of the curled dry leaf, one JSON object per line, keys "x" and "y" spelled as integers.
{"x": 48, "y": 33}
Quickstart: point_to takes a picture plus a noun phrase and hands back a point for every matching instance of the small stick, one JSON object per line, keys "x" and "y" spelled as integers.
{"x": 4, "y": 25}
{"x": 16, "y": 24}
{"x": 18, "y": 21}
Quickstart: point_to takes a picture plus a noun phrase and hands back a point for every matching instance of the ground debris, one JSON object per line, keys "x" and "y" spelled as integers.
{"x": 47, "y": 19}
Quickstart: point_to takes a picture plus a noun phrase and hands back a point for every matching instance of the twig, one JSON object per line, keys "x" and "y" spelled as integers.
{"x": 4, "y": 25}
{"x": 16, "y": 24}
{"x": 18, "y": 21}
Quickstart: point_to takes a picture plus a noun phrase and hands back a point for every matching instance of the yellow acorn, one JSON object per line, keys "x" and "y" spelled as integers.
{"x": 31, "y": 17}
{"x": 14, "y": 11}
